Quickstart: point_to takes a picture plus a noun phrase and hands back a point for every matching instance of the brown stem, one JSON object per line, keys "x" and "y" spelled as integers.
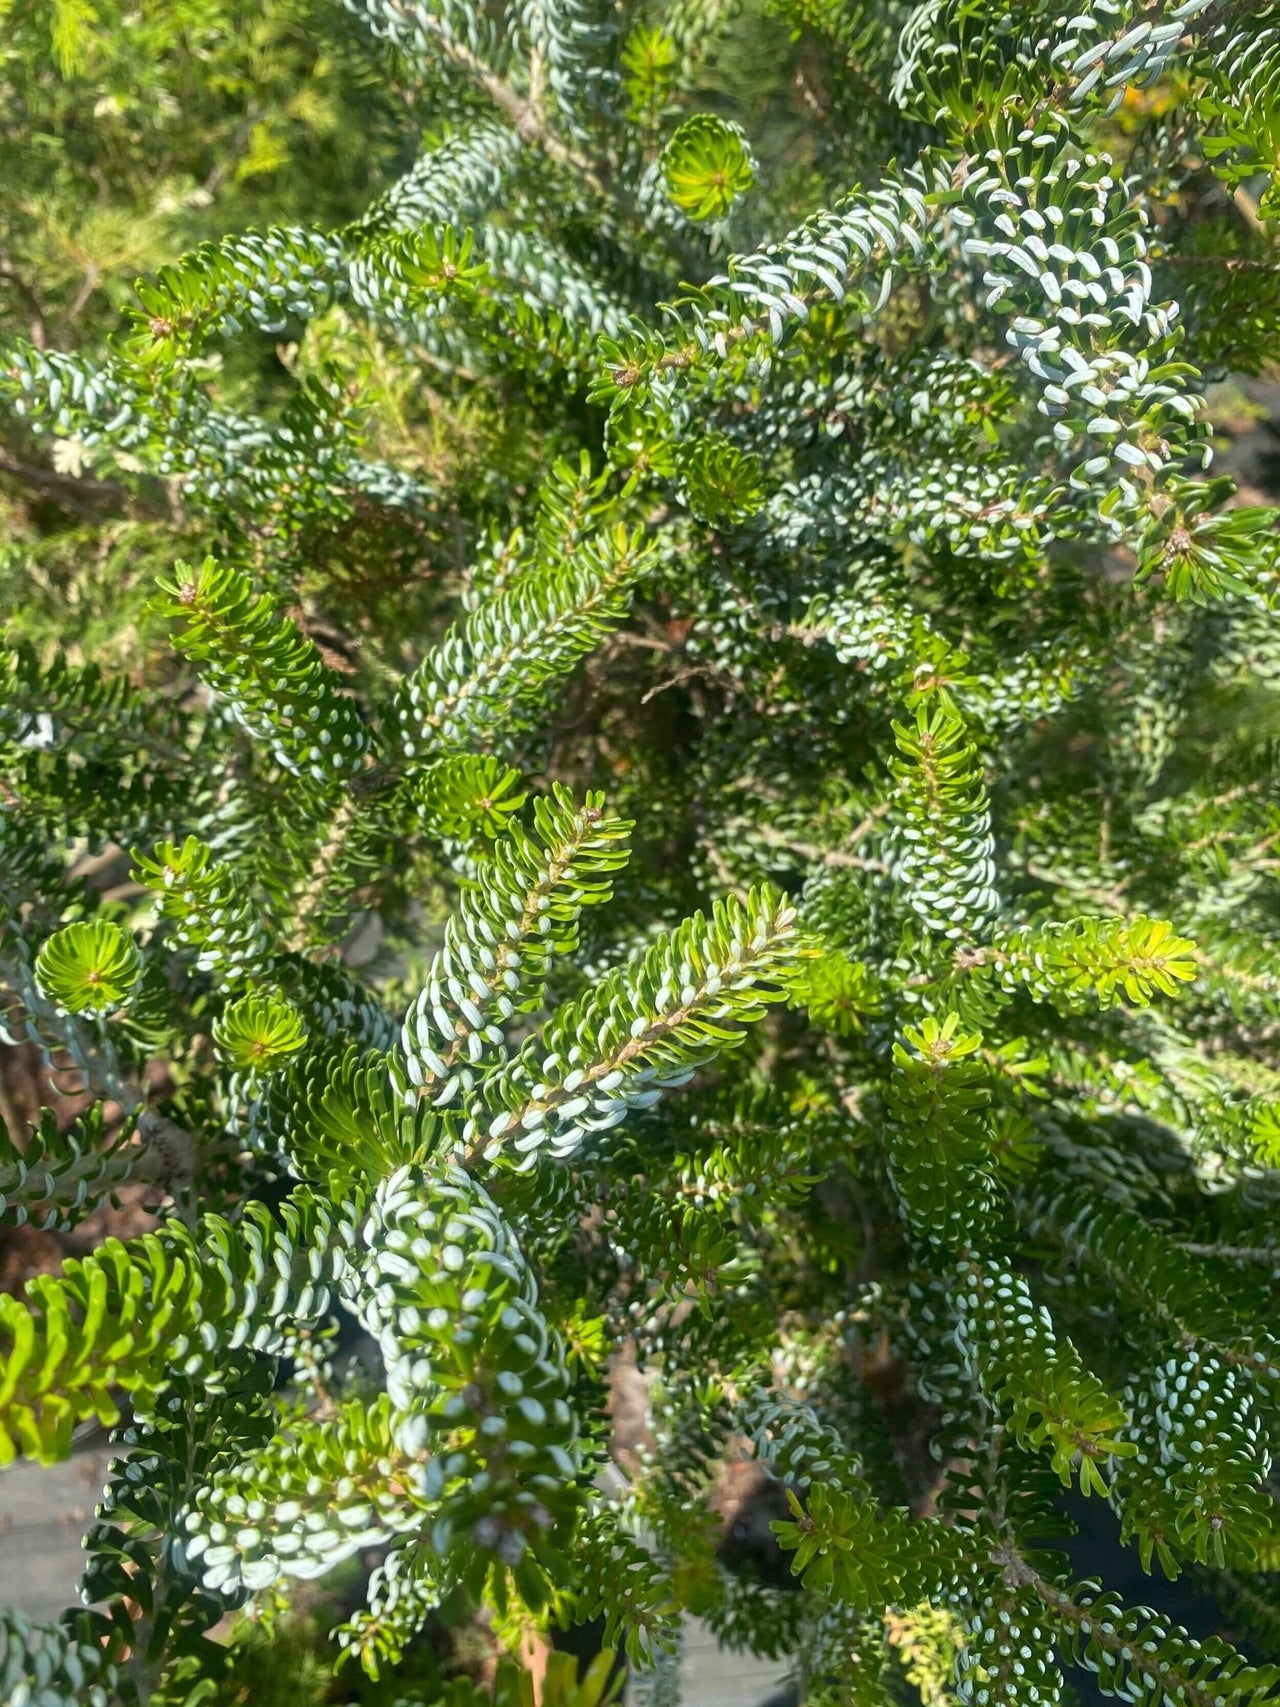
{"x": 87, "y": 498}
{"x": 524, "y": 112}
{"x": 317, "y": 887}
{"x": 88, "y": 284}
{"x": 1170, "y": 1685}
{"x": 27, "y": 292}
{"x": 836, "y": 858}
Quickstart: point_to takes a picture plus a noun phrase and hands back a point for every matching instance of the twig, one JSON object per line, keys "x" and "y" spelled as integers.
{"x": 27, "y": 292}
{"x": 1233, "y": 1253}
{"x": 525, "y": 113}
{"x": 674, "y": 681}
{"x": 1247, "y": 208}
{"x": 1224, "y": 263}
{"x": 88, "y": 284}
{"x": 836, "y": 858}
{"x": 87, "y": 498}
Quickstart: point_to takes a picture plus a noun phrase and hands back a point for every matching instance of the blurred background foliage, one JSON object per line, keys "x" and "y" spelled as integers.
{"x": 131, "y": 134}
{"x": 135, "y": 132}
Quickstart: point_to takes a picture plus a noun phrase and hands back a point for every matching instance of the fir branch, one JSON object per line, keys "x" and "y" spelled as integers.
{"x": 273, "y": 679}
{"x": 522, "y": 911}
{"x": 641, "y": 1031}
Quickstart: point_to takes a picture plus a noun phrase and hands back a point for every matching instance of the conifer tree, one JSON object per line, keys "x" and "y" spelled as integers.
{"x": 726, "y": 573}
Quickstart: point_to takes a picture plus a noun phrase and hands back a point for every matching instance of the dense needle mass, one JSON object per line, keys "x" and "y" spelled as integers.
{"x": 638, "y": 777}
